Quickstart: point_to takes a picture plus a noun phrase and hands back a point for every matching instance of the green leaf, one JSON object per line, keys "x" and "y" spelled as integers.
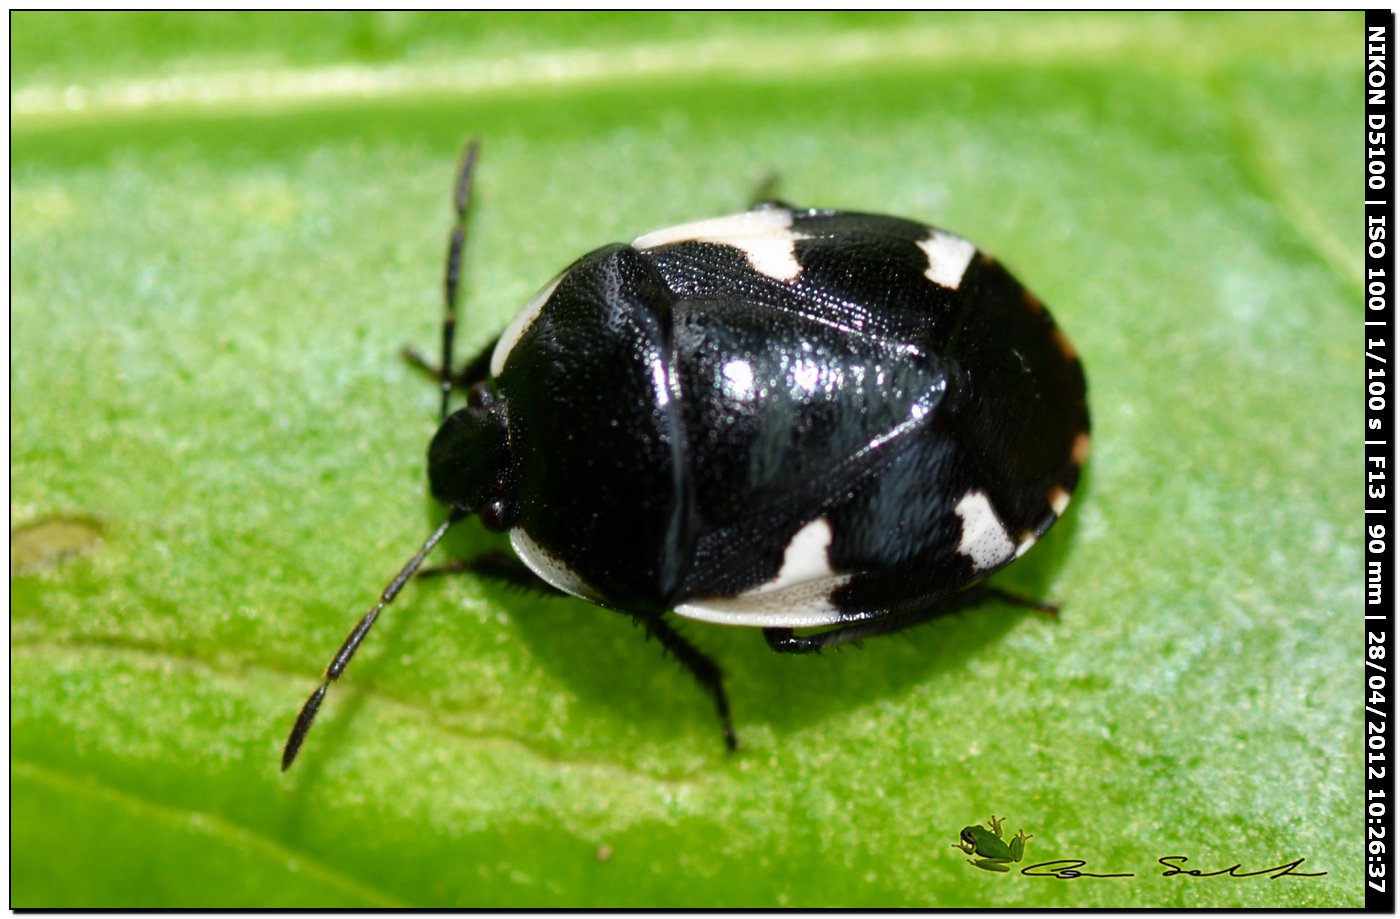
{"x": 224, "y": 226}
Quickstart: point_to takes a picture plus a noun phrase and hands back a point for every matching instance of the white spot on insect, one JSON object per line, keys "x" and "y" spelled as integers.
{"x": 1025, "y": 545}
{"x": 984, "y": 539}
{"x": 1079, "y": 450}
{"x": 774, "y": 258}
{"x": 795, "y": 607}
{"x": 805, "y": 557}
{"x": 522, "y": 321}
{"x": 799, "y": 595}
{"x": 1059, "y": 500}
{"x": 764, "y": 235}
{"x": 552, "y": 571}
{"x": 948, "y": 258}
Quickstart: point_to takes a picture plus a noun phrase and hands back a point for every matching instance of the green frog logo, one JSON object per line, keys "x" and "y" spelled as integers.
{"x": 991, "y": 850}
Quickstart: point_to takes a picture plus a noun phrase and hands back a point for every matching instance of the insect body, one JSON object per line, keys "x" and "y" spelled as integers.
{"x": 786, "y": 418}
{"x": 995, "y": 854}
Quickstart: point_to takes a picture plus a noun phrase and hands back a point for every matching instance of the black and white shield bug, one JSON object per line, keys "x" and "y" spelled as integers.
{"x": 786, "y": 419}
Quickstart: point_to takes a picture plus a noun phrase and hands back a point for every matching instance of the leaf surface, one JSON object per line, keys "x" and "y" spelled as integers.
{"x": 224, "y": 226}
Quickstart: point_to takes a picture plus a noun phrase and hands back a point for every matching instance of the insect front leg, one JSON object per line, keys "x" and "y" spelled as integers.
{"x": 477, "y": 370}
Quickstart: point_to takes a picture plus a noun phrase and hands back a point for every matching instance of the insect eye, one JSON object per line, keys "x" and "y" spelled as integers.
{"x": 480, "y": 395}
{"x": 494, "y": 516}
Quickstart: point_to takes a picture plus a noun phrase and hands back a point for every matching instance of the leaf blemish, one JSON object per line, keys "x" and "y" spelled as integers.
{"x": 46, "y": 543}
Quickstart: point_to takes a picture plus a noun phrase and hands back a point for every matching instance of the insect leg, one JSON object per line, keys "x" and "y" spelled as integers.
{"x": 472, "y": 372}
{"x": 700, "y": 665}
{"x": 500, "y": 566}
{"x": 765, "y": 191}
{"x": 784, "y": 640}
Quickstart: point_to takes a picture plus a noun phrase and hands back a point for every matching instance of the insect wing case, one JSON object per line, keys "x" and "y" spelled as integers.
{"x": 916, "y": 420}
{"x": 858, "y": 408}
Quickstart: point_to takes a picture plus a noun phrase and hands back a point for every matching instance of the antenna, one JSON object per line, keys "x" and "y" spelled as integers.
{"x": 353, "y": 640}
{"x": 461, "y": 201}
